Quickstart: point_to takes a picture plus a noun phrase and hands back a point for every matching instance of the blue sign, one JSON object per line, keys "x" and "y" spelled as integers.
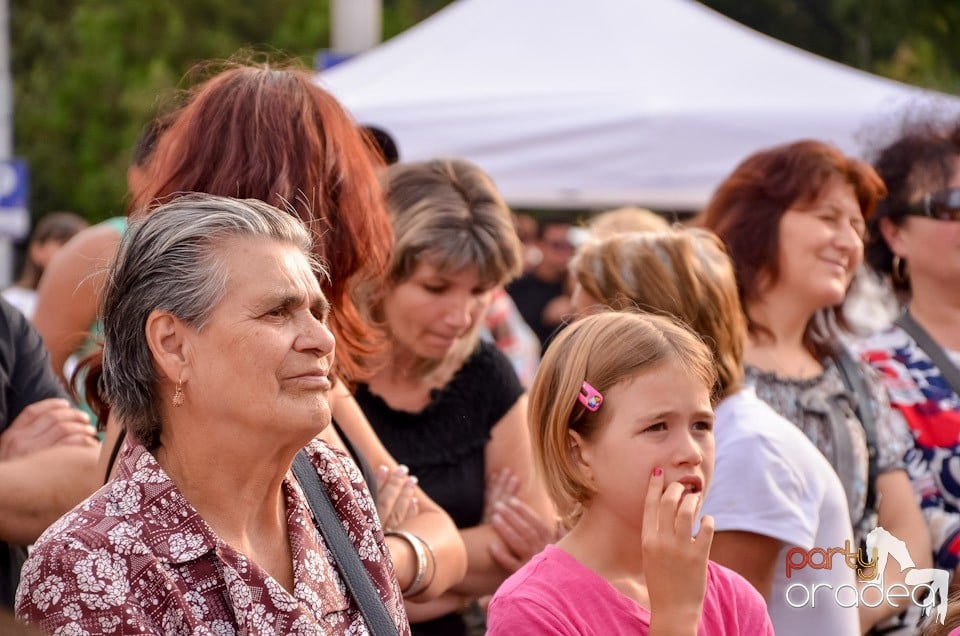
{"x": 14, "y": 191}
{"x": 325, "y": 58}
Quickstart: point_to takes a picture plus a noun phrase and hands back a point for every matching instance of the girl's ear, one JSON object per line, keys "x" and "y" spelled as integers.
{"x": 579, "y": 453}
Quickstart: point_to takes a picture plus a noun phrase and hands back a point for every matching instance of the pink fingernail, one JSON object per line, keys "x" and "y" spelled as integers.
{"x": 657, "y": 471}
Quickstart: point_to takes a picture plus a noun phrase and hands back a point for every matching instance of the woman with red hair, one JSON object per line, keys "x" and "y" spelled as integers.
{"x": 793, "y": 219}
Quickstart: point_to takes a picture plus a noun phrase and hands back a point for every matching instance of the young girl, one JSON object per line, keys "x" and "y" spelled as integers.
{"x": 621, "y": 407}
{"x": 772, "y": 491}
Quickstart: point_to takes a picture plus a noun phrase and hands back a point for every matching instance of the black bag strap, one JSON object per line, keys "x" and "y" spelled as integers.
{"x": 355, "y": 576}
{"x": 852, "y": 376}
{"x": 936, "y": 354}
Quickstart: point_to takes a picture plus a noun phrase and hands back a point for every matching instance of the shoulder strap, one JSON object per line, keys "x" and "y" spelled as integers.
{"x": 852, "y": 376}
{"x": 936, "y": 354}
{"x": 355, "y": 576}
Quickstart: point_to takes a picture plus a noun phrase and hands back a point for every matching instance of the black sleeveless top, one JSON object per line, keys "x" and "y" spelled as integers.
{"x": 443, "y": 445}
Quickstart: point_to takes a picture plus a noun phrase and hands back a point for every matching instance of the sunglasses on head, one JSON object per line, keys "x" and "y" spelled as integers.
{"x": 943, "y": 205}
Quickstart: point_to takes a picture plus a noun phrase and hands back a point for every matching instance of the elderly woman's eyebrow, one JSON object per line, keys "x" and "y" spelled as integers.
{"x": 294, "y": 298}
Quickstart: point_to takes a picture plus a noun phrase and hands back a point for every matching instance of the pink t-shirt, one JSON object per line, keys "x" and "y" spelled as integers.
{"x": 555, "y": 594}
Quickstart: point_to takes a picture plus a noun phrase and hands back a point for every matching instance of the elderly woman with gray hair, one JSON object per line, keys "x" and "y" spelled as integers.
{"x": 216, "y": 359}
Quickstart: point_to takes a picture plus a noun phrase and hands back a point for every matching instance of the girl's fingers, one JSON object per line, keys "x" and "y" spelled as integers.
{"x": 651, "y": 504}
{"x": 704, "y": 537}
{"x": 669, "y": 507}
{"x": 686, "y": 514}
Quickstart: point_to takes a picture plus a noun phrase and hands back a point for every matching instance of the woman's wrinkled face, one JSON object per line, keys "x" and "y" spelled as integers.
{"x": 432, "y": 309}
{"x": 262, "y": 360}
{"x": 821, "y": 246}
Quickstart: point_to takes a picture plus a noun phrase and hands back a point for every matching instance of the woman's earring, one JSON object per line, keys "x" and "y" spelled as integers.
{"x": 178, "y": 395}
{"x": 898, "y": 271}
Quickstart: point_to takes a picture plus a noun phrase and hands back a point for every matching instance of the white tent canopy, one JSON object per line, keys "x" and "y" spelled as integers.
{"x": 592, "y": 103}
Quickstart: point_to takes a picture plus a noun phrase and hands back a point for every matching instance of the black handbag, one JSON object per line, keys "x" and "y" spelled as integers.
{"x": 354, "y": 575}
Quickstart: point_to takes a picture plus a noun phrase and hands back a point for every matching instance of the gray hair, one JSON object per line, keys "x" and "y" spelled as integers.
{"x": 170, "y": 261}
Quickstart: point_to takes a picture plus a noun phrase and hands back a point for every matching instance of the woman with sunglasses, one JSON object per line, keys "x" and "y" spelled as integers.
{"x": 915, "y": 241}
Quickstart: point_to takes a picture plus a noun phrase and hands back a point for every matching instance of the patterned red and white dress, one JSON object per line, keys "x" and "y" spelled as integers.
{"x": 137, "y": 558}
{"x": 932, "y": 410}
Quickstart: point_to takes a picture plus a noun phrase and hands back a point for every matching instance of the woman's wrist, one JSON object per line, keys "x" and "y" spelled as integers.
{"x": 424, "y": 562}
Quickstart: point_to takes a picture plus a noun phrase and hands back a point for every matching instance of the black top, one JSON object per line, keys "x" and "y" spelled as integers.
{"x": 25, "y": 377}
{"x": 443, "y": 445}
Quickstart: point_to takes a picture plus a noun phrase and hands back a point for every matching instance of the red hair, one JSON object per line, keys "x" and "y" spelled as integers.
{"x": 746, "y": 209}
{"x": 268, "y": 133}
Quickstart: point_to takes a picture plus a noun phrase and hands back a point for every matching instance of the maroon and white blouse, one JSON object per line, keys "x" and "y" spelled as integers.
{"x": 137, "y": 558}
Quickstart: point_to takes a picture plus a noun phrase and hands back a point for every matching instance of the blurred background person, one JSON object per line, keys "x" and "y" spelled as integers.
{"x": 49, "y": 235}
{"x": 915, "y": 243}
{"x": 66, "y": 314}
{"x": 772, "y": 491}
{"x": 48, "y": 449}
{"x": 445, "y": 402}
{"x": 216, "y": 359}
{"x": 793, "y": 218}
{"x": 623, "y": 220}
{"x": 541, "y": 293}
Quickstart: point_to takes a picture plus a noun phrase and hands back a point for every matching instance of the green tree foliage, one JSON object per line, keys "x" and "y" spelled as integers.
{"x": 913, "y": 41}
{"x": 88, "y": 73}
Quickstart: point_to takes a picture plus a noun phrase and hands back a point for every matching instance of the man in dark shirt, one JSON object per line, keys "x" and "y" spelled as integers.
{"x": 540, "y": 294}
{"x": 48, "y": 450}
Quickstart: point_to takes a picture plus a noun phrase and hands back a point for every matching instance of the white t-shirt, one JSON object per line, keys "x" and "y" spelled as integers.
{"x": 771, "y": 480}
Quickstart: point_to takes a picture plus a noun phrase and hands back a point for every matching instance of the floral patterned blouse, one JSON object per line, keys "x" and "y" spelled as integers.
{"x": 919, "y": 391}
{"x": 137, "y": 558}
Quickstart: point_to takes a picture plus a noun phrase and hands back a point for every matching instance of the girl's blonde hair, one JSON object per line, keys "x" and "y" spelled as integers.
{"x": 684, "y": 273}
{"x": 603, "y": 349}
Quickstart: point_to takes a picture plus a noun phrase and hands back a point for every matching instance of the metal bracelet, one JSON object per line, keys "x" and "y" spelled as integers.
{"x": 418, "y": 544}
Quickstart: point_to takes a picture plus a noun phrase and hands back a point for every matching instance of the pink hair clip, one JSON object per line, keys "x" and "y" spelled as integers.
{"x": 589, "y": 397}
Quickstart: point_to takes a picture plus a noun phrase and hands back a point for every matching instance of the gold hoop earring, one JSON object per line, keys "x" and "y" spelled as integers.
{"x": 898, "y": 271}
{"x": 177, "y": 400}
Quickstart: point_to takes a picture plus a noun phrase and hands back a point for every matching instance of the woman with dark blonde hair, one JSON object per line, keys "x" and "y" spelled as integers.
{"x": 444, "y": 402}
{"x": 793, "y": 218}
{"x": 271, "y": 133}
{"x": 773, "y": 493}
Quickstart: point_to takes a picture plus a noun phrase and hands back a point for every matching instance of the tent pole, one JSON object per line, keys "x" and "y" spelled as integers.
{"x": 355, "y": 25}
